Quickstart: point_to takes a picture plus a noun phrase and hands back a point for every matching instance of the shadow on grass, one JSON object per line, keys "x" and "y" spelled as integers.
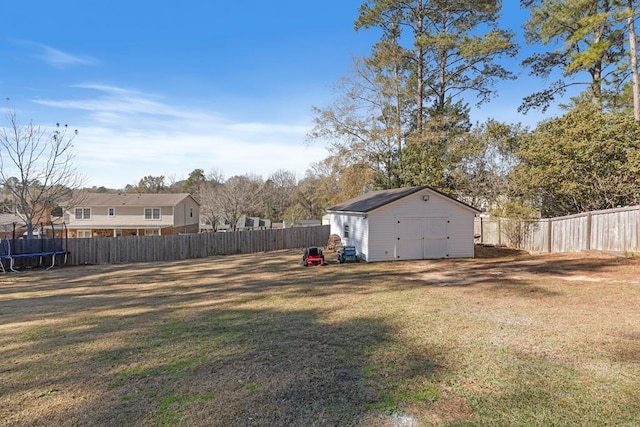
{"x": 241, "y": 340}
{"x": 246, "y": 367}
{"x": 217, "y": 367}
{"x": 247, "y": 278}
{"x": 526, "y": 275}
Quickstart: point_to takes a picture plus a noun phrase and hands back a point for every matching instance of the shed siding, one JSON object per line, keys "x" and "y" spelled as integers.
{"x": 382, "y": 242}
{"x": 358, "y": 231}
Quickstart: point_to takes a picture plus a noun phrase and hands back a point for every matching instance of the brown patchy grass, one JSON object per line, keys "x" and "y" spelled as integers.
{"x": 504, "y": 339}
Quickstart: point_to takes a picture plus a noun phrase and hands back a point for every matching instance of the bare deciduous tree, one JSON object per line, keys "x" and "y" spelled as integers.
{"x": 240, "y": 195}
{"x": 209, "y": 194}
{"x": 41, "y": 161}
{"x": 278, "y": 194}
{"x": 151, "y": 184}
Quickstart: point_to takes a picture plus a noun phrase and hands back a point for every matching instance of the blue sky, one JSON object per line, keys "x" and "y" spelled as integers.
{"x": 165, "y": 87}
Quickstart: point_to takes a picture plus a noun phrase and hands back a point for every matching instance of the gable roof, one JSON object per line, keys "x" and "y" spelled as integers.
{"x": 10, "y": 219}
{"x": 134, "y": 199}
{"x": 375, "y": 199}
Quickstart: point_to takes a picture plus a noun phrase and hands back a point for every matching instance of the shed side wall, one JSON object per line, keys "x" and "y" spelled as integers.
{"x": 358, "y": 231}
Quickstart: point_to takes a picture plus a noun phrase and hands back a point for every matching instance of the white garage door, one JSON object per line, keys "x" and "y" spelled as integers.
{"x": 422, "y": 238}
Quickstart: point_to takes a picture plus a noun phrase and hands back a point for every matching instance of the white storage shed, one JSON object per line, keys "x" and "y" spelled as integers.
{"x": 405, "y": 223}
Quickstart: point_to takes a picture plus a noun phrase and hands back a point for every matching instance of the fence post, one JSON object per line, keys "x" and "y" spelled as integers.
{"x": 588, "y": 231}
{"x": 549, "y": 236}
{"x": 522, "y": 228}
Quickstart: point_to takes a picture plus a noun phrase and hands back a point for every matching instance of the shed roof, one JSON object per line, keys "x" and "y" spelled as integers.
{"x": 372, "y": 200}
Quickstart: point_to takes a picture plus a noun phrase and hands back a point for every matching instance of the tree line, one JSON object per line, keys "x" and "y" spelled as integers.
{"x": 402, "y": 117}
{"x": 280, "y": 197}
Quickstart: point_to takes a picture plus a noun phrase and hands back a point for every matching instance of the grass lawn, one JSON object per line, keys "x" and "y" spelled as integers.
{"x": 258, "y": 340}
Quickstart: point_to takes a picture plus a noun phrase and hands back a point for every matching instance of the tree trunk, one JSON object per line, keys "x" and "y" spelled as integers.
{"x": 634, "y": 61}
{"x": 421, "y": 70}
{"x": 398, "y": 119}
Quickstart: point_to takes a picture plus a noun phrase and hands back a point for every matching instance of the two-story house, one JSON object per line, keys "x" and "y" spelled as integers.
{"x": 133, "y": 214}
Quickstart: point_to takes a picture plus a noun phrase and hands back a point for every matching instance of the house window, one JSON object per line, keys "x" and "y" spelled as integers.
{"x": 346, "y": 231}
{"x": 84, "y": 234}
{"x": 111, "y": 211}
{"x": 191, "y": 212}
{"x": 149, "y": 232}
{"x": 151, "y": 213}
{"x": 83, "y": 213}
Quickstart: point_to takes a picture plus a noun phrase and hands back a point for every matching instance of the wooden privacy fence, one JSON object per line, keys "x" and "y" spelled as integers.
{"x": 117, "y": 250}
{"x": 613, "y": 230}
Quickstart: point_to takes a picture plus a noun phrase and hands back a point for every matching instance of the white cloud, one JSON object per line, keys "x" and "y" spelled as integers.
{"x": 112, "y": 158}
{"x": 128, "y": 134}
{"x": 59, "y": 59}
{"x": 118, "y": 106}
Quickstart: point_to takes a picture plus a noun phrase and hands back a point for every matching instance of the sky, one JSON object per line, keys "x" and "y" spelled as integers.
{"x": 166, "y": 87}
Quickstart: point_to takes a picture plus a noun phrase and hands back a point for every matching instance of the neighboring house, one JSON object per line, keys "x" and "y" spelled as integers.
{"x": 405, "y": 223}
{"x": 133, "y": 214}
{"x": 207, "y": 227}
{"x": 244, "y": 223}
{"x": 10, "y": 225}
{"x": 43, "y": 224}
{"x": 252, "y": 223}
{"x": 301, "y": 223}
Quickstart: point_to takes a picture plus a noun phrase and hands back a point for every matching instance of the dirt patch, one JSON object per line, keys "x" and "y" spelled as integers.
{"x": 492, "y": 251}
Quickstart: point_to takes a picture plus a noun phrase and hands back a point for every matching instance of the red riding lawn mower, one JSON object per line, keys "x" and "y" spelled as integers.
{"x": 313, "y": 256}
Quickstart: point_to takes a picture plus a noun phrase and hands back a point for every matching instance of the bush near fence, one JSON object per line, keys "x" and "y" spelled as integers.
{"x": 120, "y": 250}
{"x": 612, "y": 230}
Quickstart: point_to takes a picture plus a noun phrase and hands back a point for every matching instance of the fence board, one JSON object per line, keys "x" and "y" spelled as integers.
{"x": 613, "y": 230}
{"x": 118, "y": 250}
{"x": 536, "y": 236}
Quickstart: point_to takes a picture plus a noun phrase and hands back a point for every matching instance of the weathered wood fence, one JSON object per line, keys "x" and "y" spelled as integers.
{"x": 117, "y": 250}
{"x": 613, "y": 230}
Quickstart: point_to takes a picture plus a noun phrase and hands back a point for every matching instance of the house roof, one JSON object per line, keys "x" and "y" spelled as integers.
{"x": 10, "y": 219}
{"x": 134, "y": 199}
{"x": 372, "y": 200}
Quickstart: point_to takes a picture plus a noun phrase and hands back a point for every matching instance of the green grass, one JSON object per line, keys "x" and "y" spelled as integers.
{"x": 172, "y": 408}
